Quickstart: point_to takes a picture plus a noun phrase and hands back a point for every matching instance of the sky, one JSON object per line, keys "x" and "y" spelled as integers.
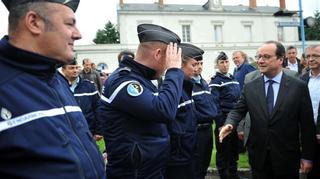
{"x": 92, "y": 15}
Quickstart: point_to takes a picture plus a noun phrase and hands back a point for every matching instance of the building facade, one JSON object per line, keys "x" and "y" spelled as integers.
{"x": 212, "y": 26}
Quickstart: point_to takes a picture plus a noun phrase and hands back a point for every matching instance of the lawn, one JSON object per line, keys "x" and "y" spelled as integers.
{"x": 101, "y": 145}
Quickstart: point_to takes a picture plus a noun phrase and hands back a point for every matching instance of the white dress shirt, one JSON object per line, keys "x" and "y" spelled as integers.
{"x": 275, "y": 85}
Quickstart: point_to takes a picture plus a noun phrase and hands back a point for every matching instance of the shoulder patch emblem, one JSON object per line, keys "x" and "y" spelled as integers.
{"x": 5, "y": 114}
{"x": 134, "y": 89}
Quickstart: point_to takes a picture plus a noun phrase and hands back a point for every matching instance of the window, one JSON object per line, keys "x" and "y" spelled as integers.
{"x": 280, "y": 34}
{"x": 218, "y": 33}
{"x": 247, "y": 30}
{"x": 186, "y": 33}
{"x": 247, "y": 33}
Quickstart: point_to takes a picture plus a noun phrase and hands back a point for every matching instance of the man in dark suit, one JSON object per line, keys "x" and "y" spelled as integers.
{"x": 249, "y": 77}
{"x": 282, "y": 133}
{"x": 292, "y": 62}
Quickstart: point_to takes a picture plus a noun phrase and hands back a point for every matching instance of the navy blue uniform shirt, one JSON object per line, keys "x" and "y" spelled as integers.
{"x": 43, "y": 133}
{"x": 134, "y": 116}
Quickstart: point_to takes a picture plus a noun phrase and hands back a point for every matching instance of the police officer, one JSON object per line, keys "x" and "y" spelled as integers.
{"x": 183, "y": 129}
{"x": 86, "y": 95}
{"x": 206, "y": 111}
{"x": 227, "y": 89}
{"x": 134, "y": 113}
{"x": 43, "y": 132}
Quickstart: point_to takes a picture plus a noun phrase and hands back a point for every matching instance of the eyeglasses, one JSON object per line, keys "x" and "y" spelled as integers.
{"x": 264, "y": 57}
{"x": 313, "y": 56}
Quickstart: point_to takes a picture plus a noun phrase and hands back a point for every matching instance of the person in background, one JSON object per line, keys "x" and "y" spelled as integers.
{"x": 304, "y": 65}
{"x": 242, "y": 66}
{"x": 125, "y": 54}
{"x": 43, "y": 133}
{"x": 134, "y": 113}
{"x": 227, "y": 89}
{"x": 90, "y": 74}
{"x": 280, "y": 121}
{"x": 312, "y": 78}
{"x": 292, "y": 62}
{"x": 86, "y": 95}
{"x": 206, "y": 111}
{"x": 242, "y": 69}
{"x": 104, "y": 75}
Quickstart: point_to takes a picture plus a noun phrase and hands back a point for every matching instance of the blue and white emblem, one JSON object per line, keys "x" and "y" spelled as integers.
{"x": 134, "y": 89}
{"x": 5, "y": 114}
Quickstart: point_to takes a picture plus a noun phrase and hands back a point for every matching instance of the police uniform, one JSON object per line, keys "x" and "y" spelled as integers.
{"x": 183, "y": 129}
{"x": 206, "y": 111}
{"x": 87, "y": 96}
{"x": 227, "y": 90}
{"x": 135, "y": 114}
{"x": 43, "y": 133}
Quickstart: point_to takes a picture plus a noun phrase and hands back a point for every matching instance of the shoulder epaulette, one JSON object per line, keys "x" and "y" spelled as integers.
{"x": 124, "y": 70}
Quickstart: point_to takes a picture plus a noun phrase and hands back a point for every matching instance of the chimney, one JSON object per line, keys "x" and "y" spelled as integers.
{"x": 282, "y": 4}
{"x": 161, "y": 3}
{"x": 214, "y": 5}
{"x": 253, "y": 4}
{"x": 121, "y": 3}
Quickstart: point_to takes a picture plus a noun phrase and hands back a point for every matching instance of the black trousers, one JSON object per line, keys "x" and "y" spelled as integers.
{"x": 179, "y": 172}
{"x": 268, "y": 173}
{"x": 203, "y": 150}
{"x": 227, "y": 155}
{"x": 315, "y": 172}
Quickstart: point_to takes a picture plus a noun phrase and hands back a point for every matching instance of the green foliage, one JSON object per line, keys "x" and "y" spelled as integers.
{"x": 313, "y": 33}
{"x": 108, "y": 35}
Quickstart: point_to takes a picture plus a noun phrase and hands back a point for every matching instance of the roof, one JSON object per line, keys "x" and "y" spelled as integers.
{"x": 194, "y": 8}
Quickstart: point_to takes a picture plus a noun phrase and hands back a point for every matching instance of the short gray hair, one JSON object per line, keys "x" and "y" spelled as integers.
{"x": 19, "y": 11}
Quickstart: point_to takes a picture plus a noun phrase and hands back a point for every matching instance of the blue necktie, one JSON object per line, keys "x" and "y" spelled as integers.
{"x": 270, "y": 96}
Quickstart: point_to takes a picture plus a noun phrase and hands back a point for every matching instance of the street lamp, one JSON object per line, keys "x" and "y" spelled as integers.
{"x": 303, "y": 39}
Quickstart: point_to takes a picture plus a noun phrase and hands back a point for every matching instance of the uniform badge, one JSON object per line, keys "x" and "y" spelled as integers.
{"x": 134, "y": 89}
{"x": 5, "y": 114}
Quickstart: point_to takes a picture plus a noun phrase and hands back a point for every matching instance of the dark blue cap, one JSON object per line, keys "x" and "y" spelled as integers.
{"x": 191, "y": 51}
{"x": 72, "y": 4}
{"x": 222, "y": 56}
{"x": 152, "y": 32}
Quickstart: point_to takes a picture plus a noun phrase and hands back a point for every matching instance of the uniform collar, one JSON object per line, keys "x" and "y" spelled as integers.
{"x": 138, "y": 68}
{"x": 227, "y": 75}
{"x": 27, "y": 61}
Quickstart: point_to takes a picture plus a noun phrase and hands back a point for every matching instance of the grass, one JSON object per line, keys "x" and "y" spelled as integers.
{"x": 242, "y": 162}
{"x": 101, "y": 145}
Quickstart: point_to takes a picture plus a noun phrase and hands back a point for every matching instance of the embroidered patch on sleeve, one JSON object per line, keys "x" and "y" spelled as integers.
{"x": 134, "y": 89}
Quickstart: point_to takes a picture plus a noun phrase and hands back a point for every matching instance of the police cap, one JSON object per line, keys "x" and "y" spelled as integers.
{"x": 222, "y": 56}
{"x": 72, "y": 4}
{"x": 152, "y": 32}
{"x": 191, "y": 51}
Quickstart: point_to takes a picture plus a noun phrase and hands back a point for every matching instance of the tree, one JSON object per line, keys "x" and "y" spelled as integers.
{"x": 313, "y": 33}
{"x": 108, "y": 35}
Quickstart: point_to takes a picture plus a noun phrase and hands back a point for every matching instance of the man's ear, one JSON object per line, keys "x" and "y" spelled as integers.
{"x": 158, "y": 54}
{"x": 34, "y": 23}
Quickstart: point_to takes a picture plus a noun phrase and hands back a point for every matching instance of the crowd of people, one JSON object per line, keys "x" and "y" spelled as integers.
{"x": 155, "y": 112}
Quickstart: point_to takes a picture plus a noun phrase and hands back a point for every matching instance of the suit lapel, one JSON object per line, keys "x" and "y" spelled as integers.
{"x": 282, "y": 94}
{"x": 259, "y": 88}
